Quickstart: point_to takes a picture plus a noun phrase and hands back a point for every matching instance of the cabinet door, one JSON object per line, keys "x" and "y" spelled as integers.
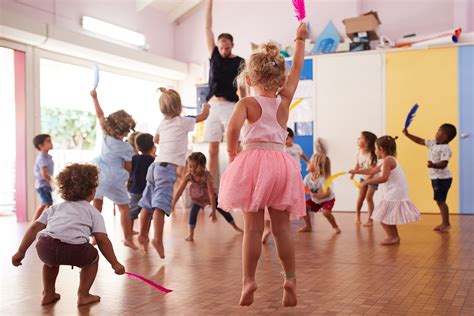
{"x": 466, "y": 129}
{"x": 428, "y": 77}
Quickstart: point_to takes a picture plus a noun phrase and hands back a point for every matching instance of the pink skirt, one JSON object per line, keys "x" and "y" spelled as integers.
{"x": 263, "y": 177}
{"x": 396, "y": 212}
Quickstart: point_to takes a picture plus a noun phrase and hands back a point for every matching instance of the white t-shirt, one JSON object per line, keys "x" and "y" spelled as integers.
{"x": 295, "y": 151}
{"x": 364, "y": 162}
{"x": 438, "y": 153}
{"x": 317, "y": 186}
{"x": 174, "y": 139}
{"x": 72, "y": 222}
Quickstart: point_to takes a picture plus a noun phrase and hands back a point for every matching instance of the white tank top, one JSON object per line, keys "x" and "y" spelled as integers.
{"x": 396, "y": 187}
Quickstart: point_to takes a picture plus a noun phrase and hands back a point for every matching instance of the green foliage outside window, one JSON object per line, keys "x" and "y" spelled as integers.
{"x": 69, "y": 129}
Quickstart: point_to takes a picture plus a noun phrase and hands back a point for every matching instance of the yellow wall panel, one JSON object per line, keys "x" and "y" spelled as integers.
{"x": 429, "y": 78}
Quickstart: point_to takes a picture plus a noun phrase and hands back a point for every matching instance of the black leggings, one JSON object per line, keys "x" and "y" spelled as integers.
{"x": 195, "y": 208}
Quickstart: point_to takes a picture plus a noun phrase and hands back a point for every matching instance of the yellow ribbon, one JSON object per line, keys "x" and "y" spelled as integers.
{"x": 331, "y": 179}
{"x": 295, "y": 104}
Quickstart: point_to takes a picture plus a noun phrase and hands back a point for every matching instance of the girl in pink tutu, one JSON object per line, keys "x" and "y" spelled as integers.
{"x": 263, "y": 174}
{"x": 395, "y": 207}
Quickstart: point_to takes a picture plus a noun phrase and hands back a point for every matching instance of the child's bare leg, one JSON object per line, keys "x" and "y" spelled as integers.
{"x": 331, "y": 220}
{"x": 87, "y": 278}
{"x": 370, "y": 206}
{"x": 49, "y": 285}
{"x": 360, "y": 202}
{"x": 191, "y": 233}
{"x": 145, "y": 222}
{"x": 392, "y": 235}
{"x": 40, "y": 211}
{"x": 280, "y": 222}
{"x": 158, "y": 225}
{"x": 307, "y": 221}
{"x": 266, "y": 232}
{"x": 445, "y": 224}
{"x": 126, "y": 222}
{"x": 395, "y": 232}
{"x": 251, "y": 250}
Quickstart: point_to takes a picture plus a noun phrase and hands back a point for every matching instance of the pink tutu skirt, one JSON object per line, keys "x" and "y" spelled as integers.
{"x": 396, "y": 212}
{"x": 263, "y": 177}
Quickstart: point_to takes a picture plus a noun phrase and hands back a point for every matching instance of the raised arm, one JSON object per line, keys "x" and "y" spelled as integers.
{"x": 209, "y": 34}
{"x": 26, "y": 242}
{"x": 98, "y": 109}
{"x": 204, "y": 114}
{"x": 416, "y": 139}
{"x": 288, "y": 91}
{"x": 235, "y": 125}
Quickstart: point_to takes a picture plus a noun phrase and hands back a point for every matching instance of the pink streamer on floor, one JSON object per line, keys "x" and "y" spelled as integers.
{"x": 150, "y": 282}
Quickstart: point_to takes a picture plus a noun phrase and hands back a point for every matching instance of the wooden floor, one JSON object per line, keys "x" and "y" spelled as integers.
{"x": 429, "y": 273}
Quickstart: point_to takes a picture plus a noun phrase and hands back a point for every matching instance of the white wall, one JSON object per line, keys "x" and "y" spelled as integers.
{"x": 67, "y": 14}
{"x": 261, "y": 20}
{"x": 349, "y": 99}
{"x": 255, "y": 21}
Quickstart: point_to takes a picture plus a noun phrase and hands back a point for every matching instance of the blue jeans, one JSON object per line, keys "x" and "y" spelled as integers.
{"x": 195, "y": 208}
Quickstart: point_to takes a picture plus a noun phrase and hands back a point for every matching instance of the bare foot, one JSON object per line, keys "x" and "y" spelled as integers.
{"x": 143, "y": 243}
{"x": 130, "y": 243}
{"x": 305, "y": 229}
{"x": 358, "y": 222}
{"x": 87, "y": 299}
{"x": 289, "y": 293}
{"x": 265, "y": 237}
{"x": 337, "y": 230}
{"x": 189, "y": 238}
{"x": 437, "y": 228}
{"x": 390, "y": 241}
{"x": 369, "y": 223}
{"x": 50, "y": 298}
{"x": 159, "y": 248}
{"x": 246, "y": 298}
{"x": 444, "y": 228}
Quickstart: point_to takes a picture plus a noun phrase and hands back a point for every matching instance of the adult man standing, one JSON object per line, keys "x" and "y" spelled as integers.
{"x": 223, "y": 70}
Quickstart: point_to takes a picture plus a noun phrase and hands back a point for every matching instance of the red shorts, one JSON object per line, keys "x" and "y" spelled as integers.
{"x": 315, "y": 207}
{"x": 54, "y": 252}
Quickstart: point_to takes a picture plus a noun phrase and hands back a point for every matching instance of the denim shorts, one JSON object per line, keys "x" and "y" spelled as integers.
{"x": 134, "y": 207}
{"x": 441, "y": 188}
{"x": 158, "y": 194}
{"x": 374, "y": 186}
{"x": 45, "y": 195}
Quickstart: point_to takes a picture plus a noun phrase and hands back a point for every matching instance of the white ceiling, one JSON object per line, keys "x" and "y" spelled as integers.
{"x": 174, "y": 9}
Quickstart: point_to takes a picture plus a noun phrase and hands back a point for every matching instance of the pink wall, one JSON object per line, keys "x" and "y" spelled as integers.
{"x": 68, "y": 14}
{"x": 20, "y": 118}
{"x": 262, "y": 20}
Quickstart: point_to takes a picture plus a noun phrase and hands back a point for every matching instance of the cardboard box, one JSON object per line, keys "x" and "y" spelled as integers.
{"x": 368, "y": 22}
{"x": 359, "y": 47}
